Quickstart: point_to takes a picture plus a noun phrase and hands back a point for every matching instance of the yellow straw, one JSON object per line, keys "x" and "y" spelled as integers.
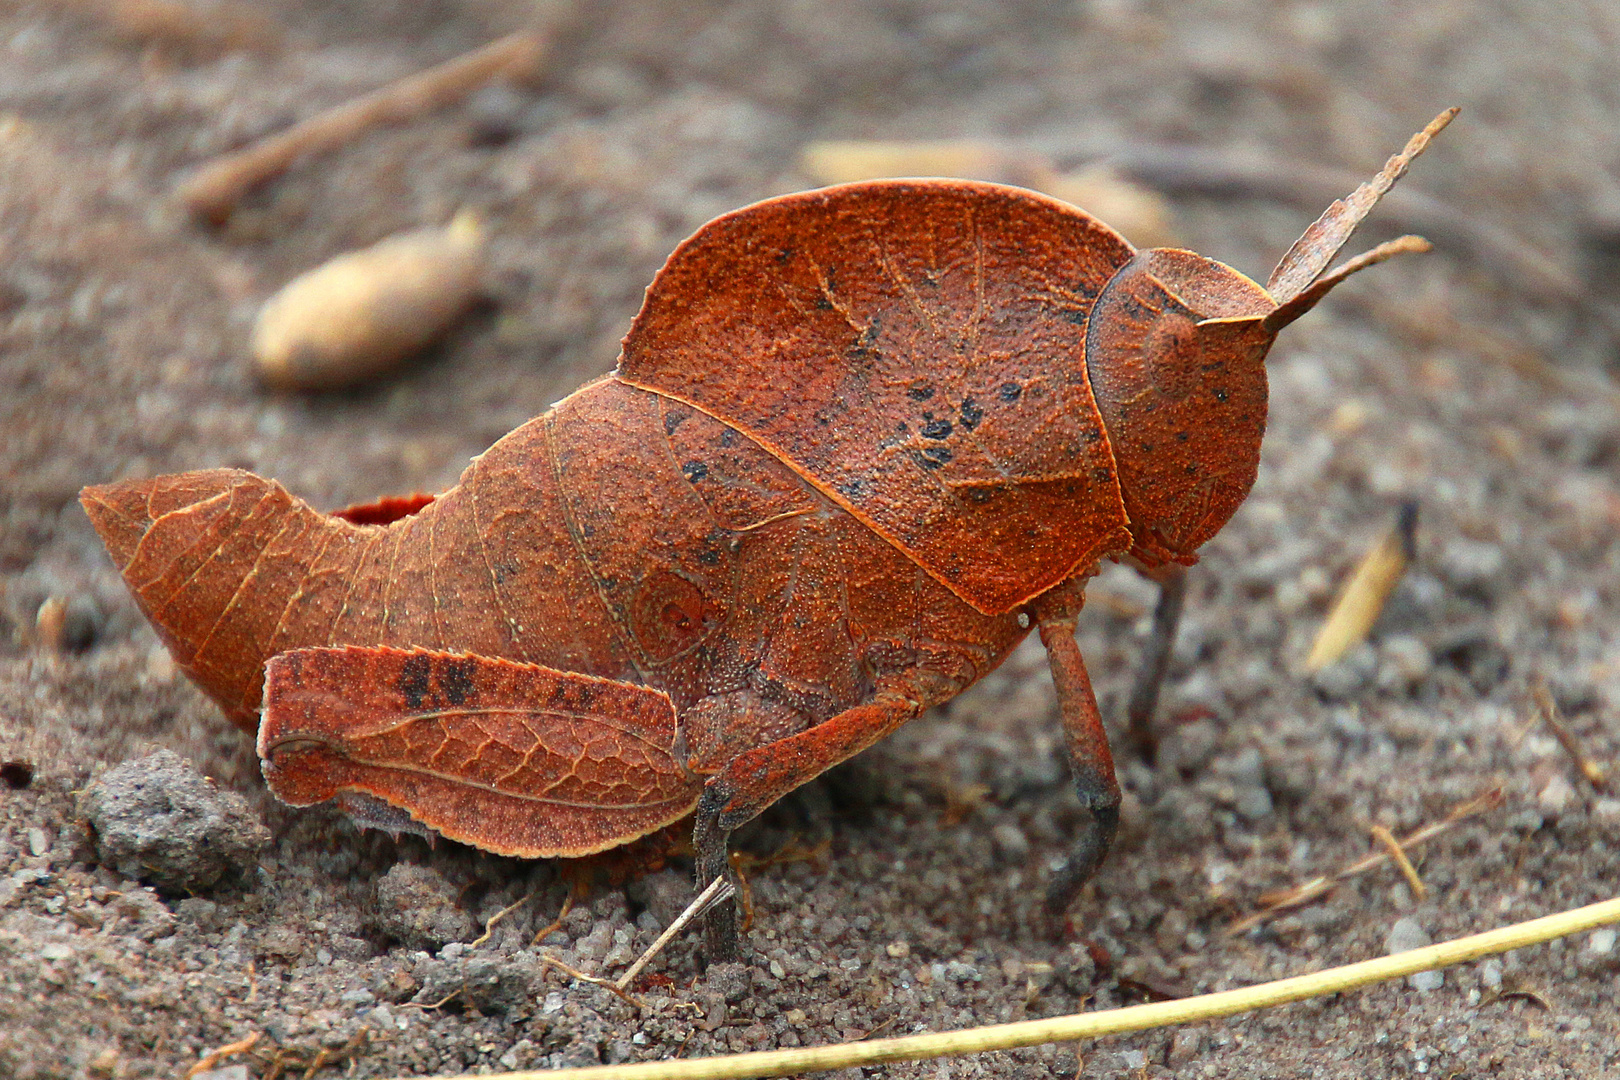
{"x": 1066, "y": 1029}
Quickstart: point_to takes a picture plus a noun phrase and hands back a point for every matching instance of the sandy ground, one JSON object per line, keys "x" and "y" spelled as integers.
{"x": 1458, "y": 380}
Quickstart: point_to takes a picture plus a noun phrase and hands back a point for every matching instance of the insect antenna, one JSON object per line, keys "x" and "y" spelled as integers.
{"x": 1298, "y": 282}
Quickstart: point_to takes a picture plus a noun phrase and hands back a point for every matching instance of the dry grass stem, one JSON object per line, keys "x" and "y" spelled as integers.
{"x": 1398, "y": 855}
{"x": 214, "y": 1057}
{"x": 719, "y": 891}
{"x": 489, "y": 924}
{"x": 1362, "y": 599}
{"x": 214, "y": 189}
{"x": 556, "y": 924}
{"x": 1068, "y": 1029}
{"x": 1548, "y": 709}
{"x": 595, "y": 980}
{"x": 1274, "y": 903}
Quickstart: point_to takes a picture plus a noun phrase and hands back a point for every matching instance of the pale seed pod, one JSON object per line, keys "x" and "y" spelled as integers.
{"x": 356, "y": 316}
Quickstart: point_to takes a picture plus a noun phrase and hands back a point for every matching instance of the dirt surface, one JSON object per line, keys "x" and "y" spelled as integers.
{"x": 906, "y": 897}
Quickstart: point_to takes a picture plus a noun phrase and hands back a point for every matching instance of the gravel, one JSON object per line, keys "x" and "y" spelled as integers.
{"x": 159, "y": 820}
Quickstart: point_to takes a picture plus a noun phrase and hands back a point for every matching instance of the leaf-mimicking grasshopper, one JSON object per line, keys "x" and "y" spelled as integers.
{"x": 859, "y": 441}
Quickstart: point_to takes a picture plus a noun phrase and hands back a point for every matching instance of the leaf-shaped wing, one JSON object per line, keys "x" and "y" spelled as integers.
{"x": 915, "y": 349}
{"x": 513, "y": 758}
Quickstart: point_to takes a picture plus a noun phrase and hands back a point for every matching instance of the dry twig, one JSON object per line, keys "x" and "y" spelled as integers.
{"x": 718, "y": 892}
{"x": 595, "y": 980}
{"x": 489, "y": 924}
{"x": 1398, "y": 855}
{"x": 214, "y": 189}
{"x": 556, "y": 924}
{"x": 1276, "y": 902}
{"x": 214, "y": 1057}
{"x": 1548, "y": 709}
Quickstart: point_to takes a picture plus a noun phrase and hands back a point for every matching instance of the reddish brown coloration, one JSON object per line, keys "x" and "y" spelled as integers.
{"x": 382, "y": 511}
{"x": 859, "y": 440}
{"x": 545, "y": 762}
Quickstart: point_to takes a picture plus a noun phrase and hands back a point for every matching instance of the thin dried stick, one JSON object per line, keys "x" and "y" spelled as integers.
{"x": 1299, "y": 895}
{"x": 489, "y": 924}
{"x": 1103, "y": 1022}
{"x": 1398, "y": 855}
{"x": 214, "y": 1057}
{"x": 556, "y": 924}
{"x": 214, "y": 189}
{"x": 719, "y": 890}
{"x": 594, "y": 980}
{"x": 1566, "y": 738}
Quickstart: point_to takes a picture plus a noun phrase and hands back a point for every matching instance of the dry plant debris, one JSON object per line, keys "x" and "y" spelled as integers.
{"x": 1362, "y": 598}
{"x": 1590, "y": 770}
{"x": 1274, "y": 903}
{"x": 359, "y": 314}
{"x": 214, "y": 189}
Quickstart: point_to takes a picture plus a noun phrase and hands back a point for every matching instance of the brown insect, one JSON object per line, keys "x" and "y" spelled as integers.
{"x": 859, "y": 440}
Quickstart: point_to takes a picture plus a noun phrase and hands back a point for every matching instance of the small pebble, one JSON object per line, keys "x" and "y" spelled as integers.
{"x": 1404, "y": 662}
{"x": 1405, "y": 936}
{"x": 1348, "y": 676}
{"x": 1010, "y": 842}
{"x": 1185, "y": 1045}
{"x": 734, "y": 982}
{"x": 417, "y": 906}
{"x": 1471, "y": 565}
{"x": 1554, "y": 798}
{"x": 158, "y": 820}
{"x": 1606, "y": 812}
{"x": 1601, "y": 941}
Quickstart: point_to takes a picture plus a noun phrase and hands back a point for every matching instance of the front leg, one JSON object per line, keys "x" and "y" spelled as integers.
{"x": 754, "y": 780}
{"x": 1090, "y": 761}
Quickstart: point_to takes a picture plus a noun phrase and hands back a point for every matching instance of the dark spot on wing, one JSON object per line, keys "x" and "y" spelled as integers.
{"x": 456, "y": 680}
{"x": 937, "y": 430}
{"x": 694, "y": 471}
{"x": 1010, "y": 392}
{"x": 971, "y": 414}
{"x": 415, "y": 677}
